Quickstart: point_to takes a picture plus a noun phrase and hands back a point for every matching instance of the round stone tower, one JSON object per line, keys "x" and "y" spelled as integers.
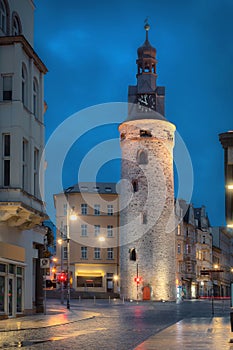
{"x": 147, "y": 231}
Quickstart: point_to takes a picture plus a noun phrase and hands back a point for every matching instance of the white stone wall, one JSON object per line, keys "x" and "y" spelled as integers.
{"x": 154, "y": 240}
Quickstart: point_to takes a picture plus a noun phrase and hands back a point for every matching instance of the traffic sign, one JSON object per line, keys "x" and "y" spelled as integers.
{"x": 45, "y": 263}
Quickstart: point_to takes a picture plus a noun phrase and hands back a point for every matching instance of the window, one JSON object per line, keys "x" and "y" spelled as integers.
{"x": 178, "y": 249}
{"x": 97, "y": 230}
{"x": 16, "y": 25}
{"x": 110, "y": 253}
{"x": 84, "y": 209}
{"x": 110, "y": 209}
{"x": 110, "y": 231}
{"x": 35, "y": 98}
{"x": 188, "y": 249}
{"x": 83, "y": 230}
{"x": 144, "y": 218}
{"x": 145, "y": 133}
{"x": 142, "y": 157}
{"x": 65, "y": 209}
{"x": 24, "y": 85}
{"x": 2, "y": 16}
{"x": 6, "y": 159}
{"x": 7, "y": 87}
{"x": 83, "y": 252}
{"x": 135, "y": 185}
{"x": 65, "y": 255}
{"x": 96, "y": 209}
{"x": 178, "y": 230}
{"x": 36, "y": 172}
{"x": 96, "y": 253}
{"x": 24, "y": 164}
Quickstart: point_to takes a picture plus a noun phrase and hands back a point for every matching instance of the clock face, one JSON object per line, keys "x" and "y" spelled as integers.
{"x": 146, "y": 102}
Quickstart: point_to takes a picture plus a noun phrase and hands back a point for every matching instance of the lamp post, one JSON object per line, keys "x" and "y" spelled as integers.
{"x": 60, "y": 241}
{"x": 69, "y": 216}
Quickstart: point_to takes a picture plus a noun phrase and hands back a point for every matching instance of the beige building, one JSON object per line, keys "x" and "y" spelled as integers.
{"x": 94, "y": 234}
{"x": 22, "y": 139}
{"x": 204, "y": 253}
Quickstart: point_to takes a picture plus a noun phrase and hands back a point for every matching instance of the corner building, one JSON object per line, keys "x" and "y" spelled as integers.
{"x": 22, "y": 138}
{"x": 147, "y": 229}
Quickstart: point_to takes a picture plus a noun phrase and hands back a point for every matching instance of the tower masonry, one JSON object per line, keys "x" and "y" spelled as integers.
{"x": 147, "y": 229}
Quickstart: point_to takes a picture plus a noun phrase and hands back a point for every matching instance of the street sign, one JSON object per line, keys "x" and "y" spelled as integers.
{"x": 45, "y": 263}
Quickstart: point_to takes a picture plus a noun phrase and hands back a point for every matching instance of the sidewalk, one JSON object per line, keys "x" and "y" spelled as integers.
{"x": 55, "y": 315}
{"x": 193, "y": 334}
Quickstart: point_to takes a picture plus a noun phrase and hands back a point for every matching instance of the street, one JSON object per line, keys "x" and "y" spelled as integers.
{"x": 108, "y": 325}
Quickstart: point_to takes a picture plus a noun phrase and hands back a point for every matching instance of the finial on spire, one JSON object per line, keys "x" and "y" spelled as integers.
{"x": 146, "y": 26}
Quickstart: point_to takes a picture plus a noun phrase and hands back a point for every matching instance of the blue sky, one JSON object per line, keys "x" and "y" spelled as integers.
{"x": 90, "y": 49}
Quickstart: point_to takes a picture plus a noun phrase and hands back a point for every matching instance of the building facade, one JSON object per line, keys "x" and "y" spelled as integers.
{"x": 22, "y": 139}
{"x": 147, "y": 236}
{"x": 226, "y": 140}
{"x": 94, "y": 245}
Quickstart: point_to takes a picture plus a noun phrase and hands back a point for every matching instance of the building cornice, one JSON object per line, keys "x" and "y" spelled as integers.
{"x": 20, "y": 39}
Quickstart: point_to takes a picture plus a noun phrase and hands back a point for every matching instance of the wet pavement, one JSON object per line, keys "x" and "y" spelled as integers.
{"x": 193, "y": 334}
{"x": 121, "y": 326}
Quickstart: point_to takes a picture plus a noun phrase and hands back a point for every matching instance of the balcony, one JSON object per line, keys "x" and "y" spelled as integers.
{"x": 20, "y": 209}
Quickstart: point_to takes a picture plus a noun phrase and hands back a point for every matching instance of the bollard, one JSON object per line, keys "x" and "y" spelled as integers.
{"x": 109, "y": 299}
{"x": 123, "y": 300}
{"x": 231, "y": 318}
{"x": 79, "y": 298}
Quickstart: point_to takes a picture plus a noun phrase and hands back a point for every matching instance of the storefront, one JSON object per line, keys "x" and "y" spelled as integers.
{"x": 12, "y": 272}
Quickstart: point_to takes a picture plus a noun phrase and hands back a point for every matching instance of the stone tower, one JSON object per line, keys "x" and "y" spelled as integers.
{"x": 147, "y": 237}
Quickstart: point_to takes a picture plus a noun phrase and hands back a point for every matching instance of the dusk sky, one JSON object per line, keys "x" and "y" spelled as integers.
{"x": 90, "y": 50}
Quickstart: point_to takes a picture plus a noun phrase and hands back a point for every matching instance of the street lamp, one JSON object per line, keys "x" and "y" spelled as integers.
{"x": 70, "y": 215}
{"x": 62, "y": 283}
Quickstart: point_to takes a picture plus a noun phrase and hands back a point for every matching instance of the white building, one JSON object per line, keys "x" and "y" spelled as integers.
{"x": 22, "y": 139}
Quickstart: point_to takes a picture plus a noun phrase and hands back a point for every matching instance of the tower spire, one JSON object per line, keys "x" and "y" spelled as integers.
{"x": 147, "y": 28}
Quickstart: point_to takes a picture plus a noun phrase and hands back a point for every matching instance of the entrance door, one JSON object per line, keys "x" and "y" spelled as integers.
{"x": 110, "y": 285}
{"x": 146, "y": 293}
{"x": 10, "y": 296}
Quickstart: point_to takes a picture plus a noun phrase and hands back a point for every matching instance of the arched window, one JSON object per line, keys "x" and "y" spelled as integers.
{"x": 24, "y": 85}
{"x": 142, "y": 157}
{"x": 3, "y": 16}
{"x": 16, "y": 24}
{"x": 35, "y": 98}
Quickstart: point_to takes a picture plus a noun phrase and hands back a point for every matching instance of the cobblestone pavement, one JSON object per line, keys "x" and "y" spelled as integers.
{"x": 114, "y": 326}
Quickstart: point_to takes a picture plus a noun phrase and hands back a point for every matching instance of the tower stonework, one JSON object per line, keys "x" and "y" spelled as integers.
{"x": 147, "y": 231}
